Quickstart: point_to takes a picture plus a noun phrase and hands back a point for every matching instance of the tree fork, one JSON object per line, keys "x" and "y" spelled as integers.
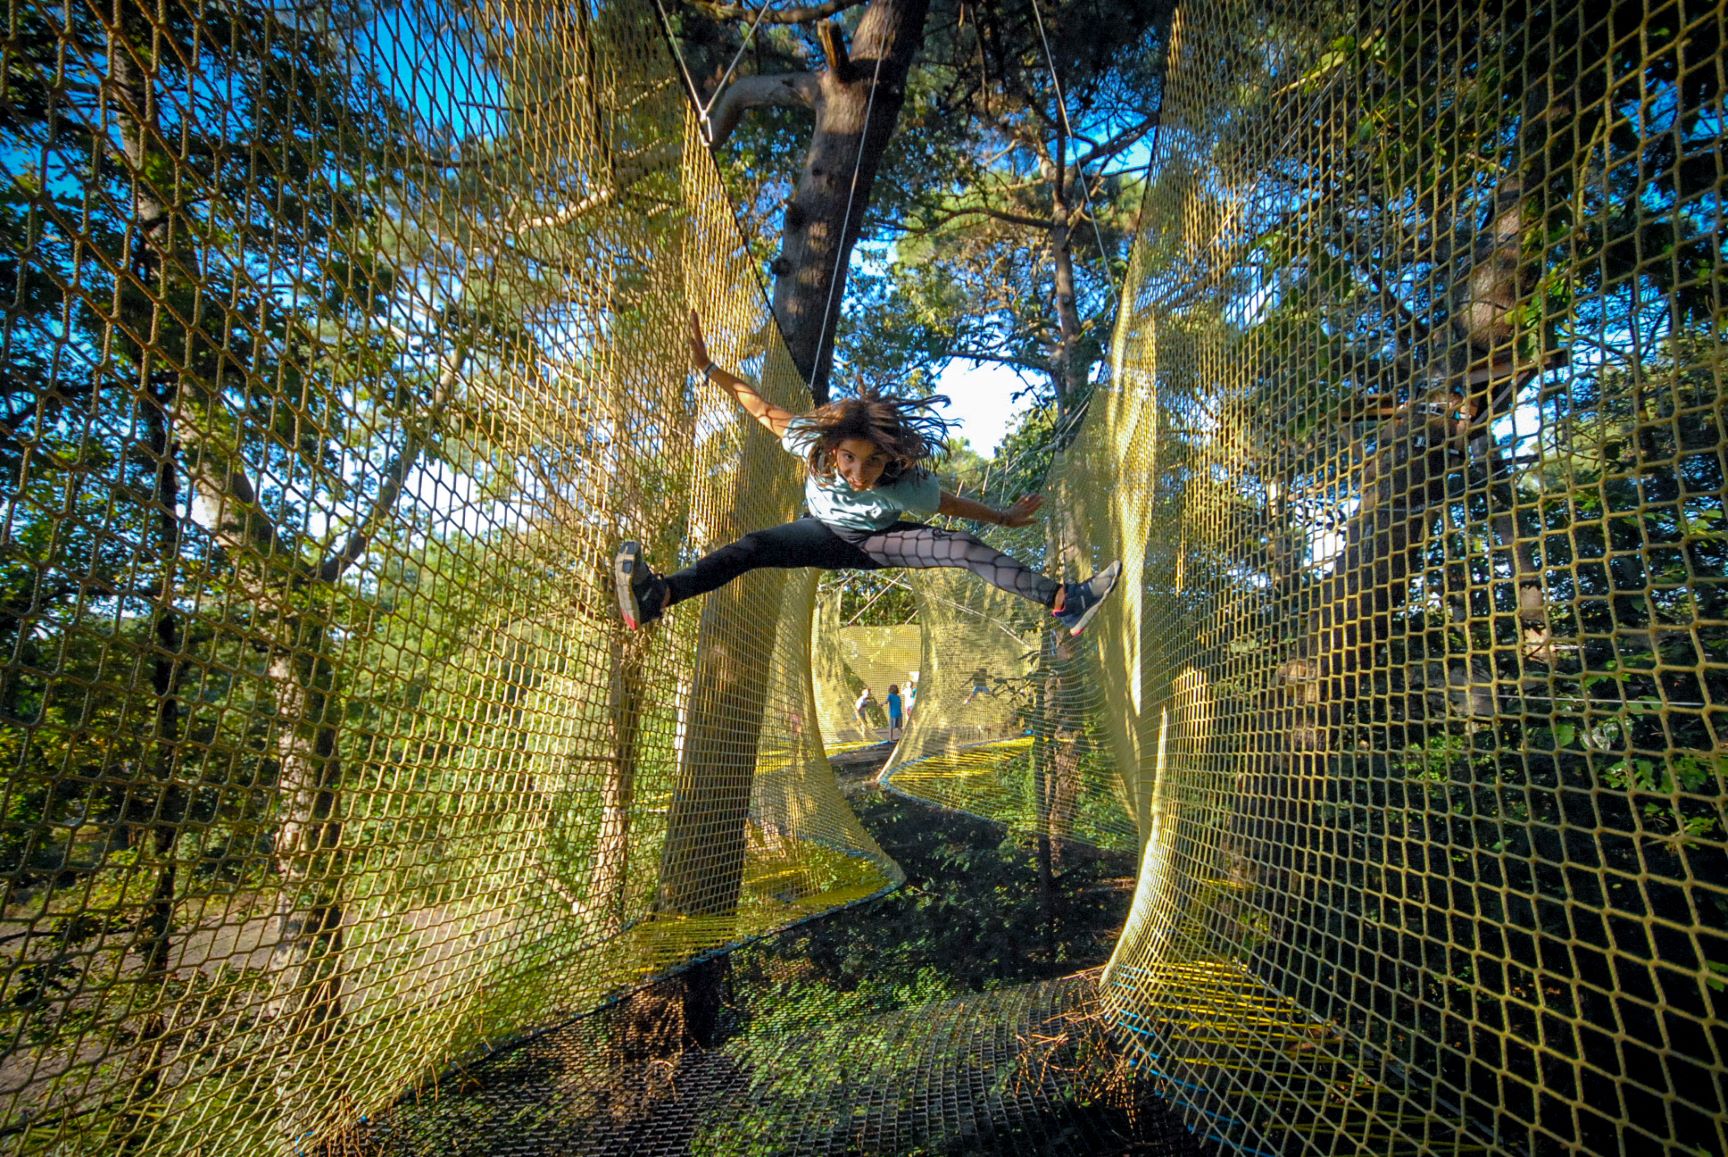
{"x": 857, "y": 104}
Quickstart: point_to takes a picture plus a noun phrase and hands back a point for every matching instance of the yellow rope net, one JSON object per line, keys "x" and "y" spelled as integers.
{"x": 340, "y": 347}
{"x": 1422, "y": 687}
{"x": 327, "y": 762}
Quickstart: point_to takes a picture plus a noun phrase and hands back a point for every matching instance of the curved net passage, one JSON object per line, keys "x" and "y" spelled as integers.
{"x": 342, "y": 346}
{"x": 1430, "y": 685}
{"x": 845, "y": 660}
{"x": 1009, "y": 723}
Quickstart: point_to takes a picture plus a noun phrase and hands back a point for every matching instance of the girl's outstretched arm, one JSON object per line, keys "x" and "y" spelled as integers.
{"x": 1019, "y": 514}
{"x": 755, "y": 404}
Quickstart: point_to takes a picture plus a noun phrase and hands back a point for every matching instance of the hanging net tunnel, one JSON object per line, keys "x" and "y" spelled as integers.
{"x": 343, "y": 344}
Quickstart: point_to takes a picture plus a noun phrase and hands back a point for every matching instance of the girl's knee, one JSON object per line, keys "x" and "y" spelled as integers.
{"x": 751, "y": 549}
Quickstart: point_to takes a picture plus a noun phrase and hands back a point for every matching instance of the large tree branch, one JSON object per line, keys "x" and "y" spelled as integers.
{"x": 833, "y": 40}
{"x": 799, "y": 14}
{"x": 937, "y": 220}
{"x": 395, "y": 474}
{"x": 1115, "y": 145}
{"x": 777, "y": 90}
{"x": 625, "y": 174}
{"x": 232, "y": 512}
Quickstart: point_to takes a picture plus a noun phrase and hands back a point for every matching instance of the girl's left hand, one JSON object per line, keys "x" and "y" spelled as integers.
{"x": 1020, "y": 514}
{"x": 699, "y": 359}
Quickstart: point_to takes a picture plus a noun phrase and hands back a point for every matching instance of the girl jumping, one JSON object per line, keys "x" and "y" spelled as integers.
{"x": 866, "y": 461}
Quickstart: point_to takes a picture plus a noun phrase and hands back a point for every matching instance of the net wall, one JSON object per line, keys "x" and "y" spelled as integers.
{"x": 1009, "y": 724}
{"x": 876, "y": 658}
{"x": 339, "y": 351}
{"x": 1426, "y": 679}
{"x": 341, "y": 346}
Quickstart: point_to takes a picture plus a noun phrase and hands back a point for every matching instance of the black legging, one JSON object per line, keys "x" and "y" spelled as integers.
{"x": 812, "y": 542}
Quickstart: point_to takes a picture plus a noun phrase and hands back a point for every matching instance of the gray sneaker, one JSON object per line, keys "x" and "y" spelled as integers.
{"x": 1083, "y": 599}
{"x": 641, "y": 592}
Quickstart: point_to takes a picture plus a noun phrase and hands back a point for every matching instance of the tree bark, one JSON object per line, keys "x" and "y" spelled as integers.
{"x": 702, "y": 869}
{"x": 166, "y": 806}
{"x": 603, "y": 903}
{"x": 156, "y": 802}
{"x": 1067, "y": 373}
{"x": 307, "y": 999}
{"x": 857, "y": 105}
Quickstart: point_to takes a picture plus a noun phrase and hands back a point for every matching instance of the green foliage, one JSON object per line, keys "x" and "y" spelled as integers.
{"x": 957, "y": 257}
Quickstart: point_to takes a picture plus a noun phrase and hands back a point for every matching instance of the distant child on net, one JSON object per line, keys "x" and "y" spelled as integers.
{"x": 867, "y": 482}
{"x": 862, "y": 709}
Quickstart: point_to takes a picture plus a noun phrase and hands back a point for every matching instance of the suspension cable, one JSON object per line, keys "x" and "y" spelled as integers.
{"x": 1068, "y": 129}
{"x": 703, "y": 107}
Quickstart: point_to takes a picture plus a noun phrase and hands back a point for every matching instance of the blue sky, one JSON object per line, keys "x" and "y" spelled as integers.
{"x": 981, "y": 402}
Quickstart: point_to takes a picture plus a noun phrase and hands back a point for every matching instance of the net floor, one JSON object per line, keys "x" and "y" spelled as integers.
{"x": 954, "y": 1017}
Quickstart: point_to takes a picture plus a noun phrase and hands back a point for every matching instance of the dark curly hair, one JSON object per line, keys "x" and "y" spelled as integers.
{"x": 908, "y": 431}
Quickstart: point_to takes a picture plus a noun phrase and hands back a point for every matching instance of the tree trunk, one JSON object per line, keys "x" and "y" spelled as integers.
{"x": 305, "y": 1007}
{"x": 701, "y": 871}
{"x": 856, "y": 111}
{"x": 156, "y": 803}
{"x": 309, "y": 913}
{"x": 603, "y": 904}
{"x": 166, "y": 806}
{"x": 1068, "y": 373}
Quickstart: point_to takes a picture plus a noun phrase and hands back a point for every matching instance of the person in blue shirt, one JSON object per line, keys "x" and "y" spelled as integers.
{"x": 895, "y": 713}
{"x": 865, "y": 460}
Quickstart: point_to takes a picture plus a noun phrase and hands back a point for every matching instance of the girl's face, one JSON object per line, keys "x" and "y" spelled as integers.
{"x": 860, "y": 462}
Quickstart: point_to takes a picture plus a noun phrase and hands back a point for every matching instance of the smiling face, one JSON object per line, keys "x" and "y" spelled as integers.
{"x": 860, "y": 462}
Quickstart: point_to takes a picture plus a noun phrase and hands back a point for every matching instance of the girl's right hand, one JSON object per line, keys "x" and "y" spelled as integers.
{"x": 699, "y": 358}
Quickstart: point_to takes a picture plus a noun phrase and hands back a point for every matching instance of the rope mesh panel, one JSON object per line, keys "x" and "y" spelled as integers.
{"x": 337, "y": 364}
{"x": 994, "y": 1072}
{"x": 1008, "y": 724}
{"x": 1427, "y": 689}
{"x": 877, "y": 658}
{"x": 338, "y": 355}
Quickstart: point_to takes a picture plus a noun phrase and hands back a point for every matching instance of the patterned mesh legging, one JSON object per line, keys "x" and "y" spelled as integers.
{"x": 811, "y": 542}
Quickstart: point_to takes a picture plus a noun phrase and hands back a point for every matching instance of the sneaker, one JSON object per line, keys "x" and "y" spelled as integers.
{"x": 1083, "y": 599}
{"x": 641, "y": 592}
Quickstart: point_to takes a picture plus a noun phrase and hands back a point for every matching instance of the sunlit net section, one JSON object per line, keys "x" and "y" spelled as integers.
{"x": 1433, "y": 672}
{"x": 1008, "y": 724}
{"x": 342, "y": 345}
{"x": 881, "y": 660}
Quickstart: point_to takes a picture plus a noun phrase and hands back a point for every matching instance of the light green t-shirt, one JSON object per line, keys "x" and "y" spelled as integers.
{"x": 917, "y": 494}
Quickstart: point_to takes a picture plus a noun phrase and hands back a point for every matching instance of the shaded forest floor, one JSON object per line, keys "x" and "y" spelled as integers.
{"x": 974, "y": 914}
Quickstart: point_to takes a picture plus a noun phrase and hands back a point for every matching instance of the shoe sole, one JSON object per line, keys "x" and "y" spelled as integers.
{"x": 1114, "y": 570}
{"x": 625, "y": 564}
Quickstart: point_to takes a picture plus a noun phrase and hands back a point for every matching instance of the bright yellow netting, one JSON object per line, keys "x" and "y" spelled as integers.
{"x": 328, "y": 762}
{"x": 341, "y": 346}
{"x": 1417, "y": 417}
